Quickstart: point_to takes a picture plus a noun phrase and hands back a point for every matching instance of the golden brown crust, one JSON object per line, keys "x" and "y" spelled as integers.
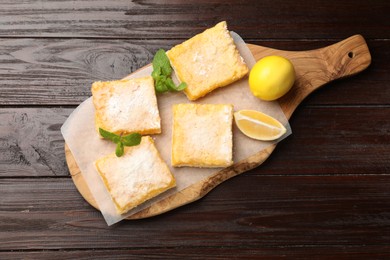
{"x": 207, "y": 61}
{"x": 126, "y": 106}
{"x": 202, "y": 135}
{"x": 139, "y": 175}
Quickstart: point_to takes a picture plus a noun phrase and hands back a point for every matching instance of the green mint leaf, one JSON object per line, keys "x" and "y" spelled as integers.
{"x": 157, "y": 60}
{"x": 120, "y": 149}
{"x": 181, "y": 86}
{"x": 156, "y": 73}
{"x": 121, "y": 141}
{"x": 131, "y": 139}
{"x": 170, "y": 84}
{"x": 167, "y": 69}
{"x": 161, "y": 61}
{"x": 110, "y": 136}
{"x": 160, "y": 86}
{"x": 161, "y": 74}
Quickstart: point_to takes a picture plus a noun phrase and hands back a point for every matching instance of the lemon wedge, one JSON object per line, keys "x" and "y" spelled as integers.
{"x": 258, "y": 125}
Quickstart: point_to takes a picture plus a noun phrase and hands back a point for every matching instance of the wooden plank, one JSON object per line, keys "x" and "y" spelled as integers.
{"x": 178, "y": 19}
{"x": 61, "y": 71}
{"x": 271, "y": 211}
{"x": 334, "y": 140}
{"x": 31, "y": 143}
{"x": 325, "y": 140}
{"x": 323, "y": 193}
{"x": 313, "y": 252}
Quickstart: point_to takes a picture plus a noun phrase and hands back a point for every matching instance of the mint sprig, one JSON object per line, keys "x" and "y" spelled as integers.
{"x": 121, "y": 141}
{"x": 161, "y": 74}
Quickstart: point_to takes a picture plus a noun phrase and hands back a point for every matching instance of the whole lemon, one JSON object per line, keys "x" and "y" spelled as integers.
{"x": 271, "y": 77}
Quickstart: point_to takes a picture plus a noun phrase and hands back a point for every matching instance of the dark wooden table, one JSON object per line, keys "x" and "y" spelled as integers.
{"x": 324, "y": 192}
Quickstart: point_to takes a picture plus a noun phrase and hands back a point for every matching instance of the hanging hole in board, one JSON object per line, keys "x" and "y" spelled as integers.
{"x": 351, "y": 54}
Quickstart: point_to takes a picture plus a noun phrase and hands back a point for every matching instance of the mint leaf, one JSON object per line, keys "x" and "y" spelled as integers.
{"x": 167, "y": 69}
{"x": 156, "y": 73}
{"x": 181, "y": 86}
{"x": 161, "y": 61}
{"x": 160, "y": 85}
{"x": 157, "y": 59}
{"x": 120, "y": 149}
{"x": 170, "y": 84}
{"x": 161, "y": 74}
{"x": 131, "y": 139}
{"x": 121, "y": 141}
{"x": 110, "y": 136}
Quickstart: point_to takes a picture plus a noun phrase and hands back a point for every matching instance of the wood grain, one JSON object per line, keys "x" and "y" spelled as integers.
{"x": 322, "y": 194}
{"x": 326, "y": 137}
{"x": 153, "y": 19}
{"x": 272, "y": 211}
{"x": 31, "y": 143}
{"x": 333, "y": 140}
{"x": 313, "y": 69}
{"x": 317, "y": 252}
{"x": 61, "y": 71}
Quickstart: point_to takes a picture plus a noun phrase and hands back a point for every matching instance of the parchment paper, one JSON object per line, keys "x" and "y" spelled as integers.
{"x": 86, "y": 146}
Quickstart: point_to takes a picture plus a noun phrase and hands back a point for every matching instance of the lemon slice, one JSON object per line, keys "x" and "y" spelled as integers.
{"x": 258, "y": 125}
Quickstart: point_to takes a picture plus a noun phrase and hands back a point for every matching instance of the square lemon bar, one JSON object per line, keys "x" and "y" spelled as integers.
{"x": 202, "y": 135}
{"x": 207, "y": 61}
{"x": 126, "y": 106}
{"x": 137, "y": 176}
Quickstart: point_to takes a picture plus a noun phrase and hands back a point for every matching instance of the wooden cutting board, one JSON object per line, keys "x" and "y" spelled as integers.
{"x": 313, "y": 69}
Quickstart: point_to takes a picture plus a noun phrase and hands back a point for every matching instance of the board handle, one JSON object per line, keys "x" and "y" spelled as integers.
{"x": 346, "y": 58}
{"x": 315, "y": 68}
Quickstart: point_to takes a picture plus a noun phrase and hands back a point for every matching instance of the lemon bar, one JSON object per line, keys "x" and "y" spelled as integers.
{"x": 137, "y": 176}
{"x": 126, "y": 106}
{"x": 202, "y": 135}
{"x": 207, "y": 61}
